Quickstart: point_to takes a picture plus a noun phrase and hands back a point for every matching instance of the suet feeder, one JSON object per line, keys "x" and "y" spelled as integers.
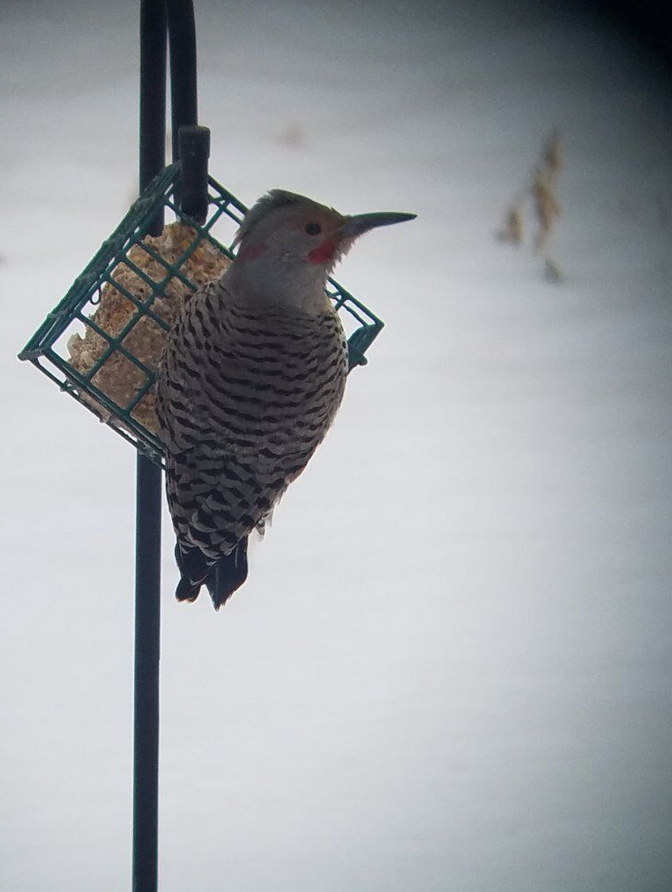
{"x": 103, "y": 341}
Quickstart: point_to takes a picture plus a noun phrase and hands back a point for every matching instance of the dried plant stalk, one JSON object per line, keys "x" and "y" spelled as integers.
{"x": 542, "y": 192}
{"x": 546, "y": 206}
{"x": 512, "y": 230}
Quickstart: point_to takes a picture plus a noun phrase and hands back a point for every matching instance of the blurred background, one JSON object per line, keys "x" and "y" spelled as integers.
{"x": 450, "y": 667}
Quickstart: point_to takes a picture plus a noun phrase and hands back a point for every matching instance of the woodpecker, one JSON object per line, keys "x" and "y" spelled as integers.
{"x": 251, "y": 377}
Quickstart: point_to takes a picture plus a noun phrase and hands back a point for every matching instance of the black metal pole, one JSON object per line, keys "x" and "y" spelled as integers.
{"x": 184, "y": 110}
{"x": 148, "y": 496}
{"x": 194, "y": 154}
{"x": 157, "y": 18}
{"x": 183, "y": 89}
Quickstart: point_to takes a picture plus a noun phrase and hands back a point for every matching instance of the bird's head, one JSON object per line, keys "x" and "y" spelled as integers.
{"x": 288, "y": 245}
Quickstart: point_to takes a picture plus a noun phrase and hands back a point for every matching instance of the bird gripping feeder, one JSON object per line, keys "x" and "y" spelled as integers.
{"x": 103, "y": 341}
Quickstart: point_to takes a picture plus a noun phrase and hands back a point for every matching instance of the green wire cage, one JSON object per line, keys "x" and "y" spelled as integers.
{"x": 103, "y": 342}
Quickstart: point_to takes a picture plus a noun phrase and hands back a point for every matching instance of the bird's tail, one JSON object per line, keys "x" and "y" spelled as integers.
{"x": 228, "y": 574}
{"x": 222, "y": 578}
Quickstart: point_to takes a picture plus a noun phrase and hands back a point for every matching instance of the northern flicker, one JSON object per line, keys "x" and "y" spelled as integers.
{"x": 252, "y": 375}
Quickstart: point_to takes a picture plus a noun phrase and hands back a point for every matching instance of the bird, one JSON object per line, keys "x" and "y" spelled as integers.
{"x": 250, "y": 379}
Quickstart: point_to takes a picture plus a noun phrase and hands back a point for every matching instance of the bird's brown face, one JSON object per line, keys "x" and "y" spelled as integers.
{"x": 290, "y": 229}
{"x": 330, "y": 234}
{"x": 290, "y": 244}
{"x": 319, "y": 235}
{"x": 308, "y": 235}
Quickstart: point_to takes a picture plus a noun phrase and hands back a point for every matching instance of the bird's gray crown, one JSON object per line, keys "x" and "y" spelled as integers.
{"x": 276, "y": 198}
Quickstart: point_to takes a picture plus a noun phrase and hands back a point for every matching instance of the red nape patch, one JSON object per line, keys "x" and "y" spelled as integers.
{"x": 323, "y": 252}
{"x": 250, "y": 253}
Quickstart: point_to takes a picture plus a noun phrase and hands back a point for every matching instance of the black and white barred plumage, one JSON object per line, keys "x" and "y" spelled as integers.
{"x": 245, "y": 396}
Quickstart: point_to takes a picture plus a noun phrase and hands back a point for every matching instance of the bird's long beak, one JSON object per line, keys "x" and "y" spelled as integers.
{"x": 356, "y": 225}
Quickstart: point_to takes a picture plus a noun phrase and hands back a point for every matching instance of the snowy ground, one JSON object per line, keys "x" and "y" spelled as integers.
{"x": 450, "y": 667}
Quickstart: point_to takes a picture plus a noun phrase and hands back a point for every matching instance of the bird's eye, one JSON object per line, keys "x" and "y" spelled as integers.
{"x": 313, "y": 228}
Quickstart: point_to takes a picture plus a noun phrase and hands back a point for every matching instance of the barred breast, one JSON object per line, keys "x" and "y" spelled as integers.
{"x": 245, "y": 395}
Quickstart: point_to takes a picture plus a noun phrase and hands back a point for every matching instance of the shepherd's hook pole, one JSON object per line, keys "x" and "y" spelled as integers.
{"x": 157, "y": 18}
{"x": 148, "y": 497}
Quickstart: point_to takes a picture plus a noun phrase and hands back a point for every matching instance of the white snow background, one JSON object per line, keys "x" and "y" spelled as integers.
{"x": 450, "y": 666}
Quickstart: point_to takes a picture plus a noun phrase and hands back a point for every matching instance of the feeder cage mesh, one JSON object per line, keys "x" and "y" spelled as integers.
{"x": 103, "y": 342}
